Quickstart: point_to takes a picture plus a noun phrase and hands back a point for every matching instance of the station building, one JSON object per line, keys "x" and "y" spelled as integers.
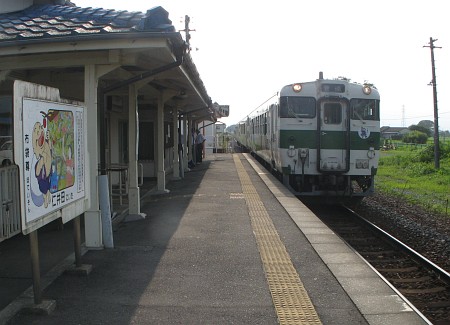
{"x": 125, "y": 86}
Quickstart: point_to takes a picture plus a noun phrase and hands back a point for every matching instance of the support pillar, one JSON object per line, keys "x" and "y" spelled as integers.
{"x": 92, "y": 217}
{"x": 35, "y": 266}
{"x": 190, "y": 142}
{"x": 78, "y": 268}
{"x": 185, "y": 139}
{"x": 161, "y": 181}
{"x": 204, "y": 143}
{"x": 133, "y": 142}
{"x": 40, "y": 306}
{"x": 77, "y": 240}
{"x": 176, "y": 156}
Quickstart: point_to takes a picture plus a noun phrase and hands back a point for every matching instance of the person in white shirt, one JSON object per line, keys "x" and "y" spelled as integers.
{"x": 199, "y": 146}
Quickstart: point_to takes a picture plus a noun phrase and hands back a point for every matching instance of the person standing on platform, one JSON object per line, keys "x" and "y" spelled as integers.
{"x": 199, "y": 146}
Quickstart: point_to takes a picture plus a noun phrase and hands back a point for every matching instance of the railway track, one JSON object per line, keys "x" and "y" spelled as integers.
{"x": 423, "y": 283}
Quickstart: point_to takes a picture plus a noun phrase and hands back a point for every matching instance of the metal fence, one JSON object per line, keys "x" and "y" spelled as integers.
{"x": 10, "y": 202}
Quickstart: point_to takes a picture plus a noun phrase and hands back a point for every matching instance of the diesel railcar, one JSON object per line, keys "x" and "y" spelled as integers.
{"x": 322, "y": 138}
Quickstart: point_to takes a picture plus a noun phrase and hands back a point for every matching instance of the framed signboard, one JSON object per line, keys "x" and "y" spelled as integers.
{"x": 51, "y": 158}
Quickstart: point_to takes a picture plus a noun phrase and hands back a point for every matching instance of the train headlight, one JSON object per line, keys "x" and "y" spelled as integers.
{"x": 371, "y": 153}
{"x": 362, "y": 164}
{"x": 297, "y": 88}
{"x": 367, "y": 90}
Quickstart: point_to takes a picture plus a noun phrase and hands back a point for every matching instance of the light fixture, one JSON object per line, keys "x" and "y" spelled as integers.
{"x": 297, "y": 88}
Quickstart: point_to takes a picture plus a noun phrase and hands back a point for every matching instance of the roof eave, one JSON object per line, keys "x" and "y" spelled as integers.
{"x": 175, "y": 37}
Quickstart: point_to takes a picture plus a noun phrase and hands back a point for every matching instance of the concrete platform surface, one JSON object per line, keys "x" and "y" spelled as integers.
{"x": 194, "y": 260}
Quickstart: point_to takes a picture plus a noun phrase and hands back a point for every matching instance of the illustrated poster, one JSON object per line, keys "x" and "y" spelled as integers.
{"x": 53, "y": 156}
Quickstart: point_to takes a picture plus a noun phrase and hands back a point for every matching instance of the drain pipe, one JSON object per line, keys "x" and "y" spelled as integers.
{"x": 204, "y": 126}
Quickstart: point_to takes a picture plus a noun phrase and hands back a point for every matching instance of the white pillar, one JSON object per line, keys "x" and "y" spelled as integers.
{"x": 204, "y": 143}
{"x": 185, "y": 139}
{"x": 190, "y": 143}
{"x": 161, "y": 180}
{"x": 176, "y": 156}
{"x": 92, "y": 217}
{"x": 134, "y": 200}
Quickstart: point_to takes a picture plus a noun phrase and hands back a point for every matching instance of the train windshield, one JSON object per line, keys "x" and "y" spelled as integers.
{"x": 294, "y": 106}
{"x": 365, "y": 109}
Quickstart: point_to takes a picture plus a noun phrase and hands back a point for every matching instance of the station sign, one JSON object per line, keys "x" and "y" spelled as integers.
{"x": 222, "y": 110}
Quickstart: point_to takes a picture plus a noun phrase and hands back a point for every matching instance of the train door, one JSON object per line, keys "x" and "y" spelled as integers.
{"x": 333, "y": 127}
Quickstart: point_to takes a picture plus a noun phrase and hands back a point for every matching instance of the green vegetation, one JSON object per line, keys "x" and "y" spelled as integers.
{"x": 408, "y": 173}
{"x": 415, "y": 137}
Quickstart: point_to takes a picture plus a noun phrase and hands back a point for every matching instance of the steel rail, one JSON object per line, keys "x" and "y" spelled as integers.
{"x": 443, "y": 275}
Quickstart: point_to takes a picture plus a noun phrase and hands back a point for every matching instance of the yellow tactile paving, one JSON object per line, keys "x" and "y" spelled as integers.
{"x": 290, "y": 298}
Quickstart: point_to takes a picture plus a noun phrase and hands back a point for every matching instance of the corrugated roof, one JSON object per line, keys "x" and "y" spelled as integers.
{"x": 47, "y": 21}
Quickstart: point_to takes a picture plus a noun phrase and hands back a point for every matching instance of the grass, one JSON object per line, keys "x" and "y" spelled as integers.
{"x": 408, "y": 173}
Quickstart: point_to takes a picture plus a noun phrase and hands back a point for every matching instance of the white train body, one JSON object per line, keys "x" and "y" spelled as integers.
{"x": 322, "y": 137}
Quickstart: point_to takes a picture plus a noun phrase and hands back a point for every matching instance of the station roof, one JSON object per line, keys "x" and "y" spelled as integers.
{"x": 47, "y": 21}
{"x": 137, "y": 42}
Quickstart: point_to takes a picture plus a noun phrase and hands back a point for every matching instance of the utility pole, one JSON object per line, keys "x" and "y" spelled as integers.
{"x": 187, "y": 20}
{"x": 436, "y": 117}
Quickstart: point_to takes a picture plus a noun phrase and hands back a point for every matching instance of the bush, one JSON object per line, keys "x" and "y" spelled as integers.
{"x": 427, "y": 153}
{"x": 445, "y": 150}
{"x": 415, "y": 137}
{"x": 422, "y": 129}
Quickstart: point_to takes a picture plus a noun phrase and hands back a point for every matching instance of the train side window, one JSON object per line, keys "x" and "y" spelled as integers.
{"x": 242, "y": 128}
{"x": 332, "y": 113}
{"x": 265, "y": 124}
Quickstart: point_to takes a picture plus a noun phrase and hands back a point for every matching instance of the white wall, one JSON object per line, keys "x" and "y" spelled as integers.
{"x": 211, "y": 132}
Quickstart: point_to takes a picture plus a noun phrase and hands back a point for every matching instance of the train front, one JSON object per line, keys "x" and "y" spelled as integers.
{"x": 329, "y": 138}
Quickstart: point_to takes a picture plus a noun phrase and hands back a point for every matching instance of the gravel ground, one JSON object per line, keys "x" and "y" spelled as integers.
{"x": 427, "y": 233}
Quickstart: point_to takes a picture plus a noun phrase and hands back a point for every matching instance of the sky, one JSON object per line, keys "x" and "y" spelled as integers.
{"x": 246, "y": 51}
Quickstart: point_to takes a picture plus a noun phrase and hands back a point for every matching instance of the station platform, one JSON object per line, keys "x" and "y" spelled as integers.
{"x": 227, "y": 245}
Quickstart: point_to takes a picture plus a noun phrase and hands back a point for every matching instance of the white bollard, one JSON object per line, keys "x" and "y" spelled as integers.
{"x": 105, "y": 207}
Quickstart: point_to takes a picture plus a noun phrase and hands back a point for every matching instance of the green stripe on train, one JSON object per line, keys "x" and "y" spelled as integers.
{"x": 331, "y": 140}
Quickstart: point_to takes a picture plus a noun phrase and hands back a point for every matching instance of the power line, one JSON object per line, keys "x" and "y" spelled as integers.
{"x": 260, "y": 105}
{"x": 412, "y": 117}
